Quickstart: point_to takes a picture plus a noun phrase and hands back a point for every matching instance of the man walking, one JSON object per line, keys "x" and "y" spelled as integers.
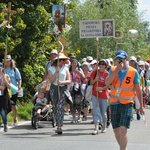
{"x": 124, "y": 81}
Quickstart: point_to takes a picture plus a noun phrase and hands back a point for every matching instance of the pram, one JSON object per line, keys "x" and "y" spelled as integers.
{"x": 48, "y": 114}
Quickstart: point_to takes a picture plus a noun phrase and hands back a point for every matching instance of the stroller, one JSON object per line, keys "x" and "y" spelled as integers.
{"x": 47, "y": 114}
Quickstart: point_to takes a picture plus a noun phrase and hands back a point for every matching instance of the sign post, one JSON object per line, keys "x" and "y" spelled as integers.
{"x": 9, "y": 12}
{"x": 97, "y": 29}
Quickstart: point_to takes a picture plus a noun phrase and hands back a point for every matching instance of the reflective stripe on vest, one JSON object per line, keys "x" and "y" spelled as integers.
{"x": 122, "y": 88}
{"x": 121, "y": 97}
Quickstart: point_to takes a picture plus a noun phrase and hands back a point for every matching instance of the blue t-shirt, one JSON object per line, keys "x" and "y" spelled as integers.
{"x": 14, "y": 75}
{"x": 122, "y": 74}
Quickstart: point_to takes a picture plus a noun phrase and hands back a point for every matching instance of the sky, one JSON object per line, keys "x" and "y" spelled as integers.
{"x": 144, "y": 5}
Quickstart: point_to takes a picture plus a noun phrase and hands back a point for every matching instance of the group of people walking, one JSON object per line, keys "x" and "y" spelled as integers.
{"x": 115, "y": 84}
{"x": 109, "y": 87}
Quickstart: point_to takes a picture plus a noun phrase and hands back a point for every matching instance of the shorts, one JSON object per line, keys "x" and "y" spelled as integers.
{"x": 14, "y": 99}
{"x": 121, "y": 115}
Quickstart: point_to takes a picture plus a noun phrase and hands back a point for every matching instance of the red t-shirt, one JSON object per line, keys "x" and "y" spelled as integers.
{"x": 101, "y": 83}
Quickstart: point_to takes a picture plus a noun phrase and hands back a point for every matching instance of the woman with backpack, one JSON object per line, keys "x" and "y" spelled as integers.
{"x": 15, "y": 79}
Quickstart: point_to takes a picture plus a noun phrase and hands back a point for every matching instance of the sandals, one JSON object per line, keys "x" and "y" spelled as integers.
{"x": 59, "y": 131}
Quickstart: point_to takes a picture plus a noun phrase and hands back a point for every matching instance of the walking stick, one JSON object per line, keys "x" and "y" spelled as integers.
{"x": 62, "y": 48}
{"x": 97, "y": 68}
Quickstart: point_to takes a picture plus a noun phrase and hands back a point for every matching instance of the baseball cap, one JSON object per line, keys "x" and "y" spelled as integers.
{"x": 93, "y": 62}
{"x": 83, "y": 60}
{"x": 104, "y": 60}
{"x": 121, "y": 54}
{"x": 109, "y": 64}
{"x": 8, "y": 57}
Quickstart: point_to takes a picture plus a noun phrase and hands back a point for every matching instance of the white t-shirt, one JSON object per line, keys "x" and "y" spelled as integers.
{"x": 62, "y": 74}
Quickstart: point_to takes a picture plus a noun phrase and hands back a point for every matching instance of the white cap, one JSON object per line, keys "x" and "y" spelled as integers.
{"x": 83, "y": 60}
{"x": 93, "y": 62}
{"x": 89, "y": 58}
{"x": 141, "y": 63}
{"x": 109, "y": 64}
{"x": 54, "y": 51}
{"x": 133, "y": 58}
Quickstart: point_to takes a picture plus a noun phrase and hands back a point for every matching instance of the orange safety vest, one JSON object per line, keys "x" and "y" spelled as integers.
{"x": 124, "y": 92}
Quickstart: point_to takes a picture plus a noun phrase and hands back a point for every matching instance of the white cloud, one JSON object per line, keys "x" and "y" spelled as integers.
{"x": 144, "y": 6}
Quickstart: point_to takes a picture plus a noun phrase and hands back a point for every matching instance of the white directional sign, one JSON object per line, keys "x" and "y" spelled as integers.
{"x": 97, "y": 28}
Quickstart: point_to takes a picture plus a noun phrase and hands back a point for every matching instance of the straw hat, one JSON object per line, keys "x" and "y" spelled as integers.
{"x": 61, "y": 56}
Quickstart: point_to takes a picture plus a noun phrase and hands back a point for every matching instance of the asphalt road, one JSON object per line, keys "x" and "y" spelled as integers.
{"x": 74, "y": 137}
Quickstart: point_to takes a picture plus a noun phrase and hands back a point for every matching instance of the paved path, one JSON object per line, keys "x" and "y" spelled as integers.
{"x": 74, "y": 137}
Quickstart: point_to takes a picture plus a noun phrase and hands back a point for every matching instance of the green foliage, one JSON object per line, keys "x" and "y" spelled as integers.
{"x": 126, "y": 17}
{"x": 24, "y": 112}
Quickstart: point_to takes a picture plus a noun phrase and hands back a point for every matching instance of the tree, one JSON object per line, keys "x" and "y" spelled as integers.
{"x": 126, "y": 17}
{"x": 29, "y": 42}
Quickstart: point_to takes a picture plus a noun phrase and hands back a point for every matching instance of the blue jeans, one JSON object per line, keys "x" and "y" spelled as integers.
{"x": 100, "y": 114}
{"x": 4, "y": 116}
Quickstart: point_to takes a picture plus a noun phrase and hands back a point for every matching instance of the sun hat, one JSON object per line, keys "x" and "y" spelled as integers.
{"x": 132, "y": 58}
{"x": 85, "y": 64}
{"x": 121, "y": 54}
{"x": 61, "y": 56}
{"x": 89, "y": 58}
{"x": 54, "y": 51}
{"x": 141, "y": 63}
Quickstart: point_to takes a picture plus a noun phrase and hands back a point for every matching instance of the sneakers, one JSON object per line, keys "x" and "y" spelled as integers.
{"x": 92, "y": 122}
{"x": 138, "y": 116}
{"x": 103, "y": 129}
{"x": 79, "y": 120}
{"x": 95, "y": 132}
{"x": 59, "y": 131}
{"x": 5, "y": 128}
{"x": 108, "y": 124}
{"x": 73, "y": 121}
{"x": 84, "y": 118}
{"x": 100, "y": 126}
{"x": 15, "y": 122}
{"x": 66, "y": 112}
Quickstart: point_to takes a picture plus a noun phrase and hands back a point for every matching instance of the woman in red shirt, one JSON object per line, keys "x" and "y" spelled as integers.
{"x": 100, "y": 95}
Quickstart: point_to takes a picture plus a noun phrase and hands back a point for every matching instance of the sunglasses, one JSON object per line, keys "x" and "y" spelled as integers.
{"x": 119, "y": 60}
{"x": 102, "y": 63}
